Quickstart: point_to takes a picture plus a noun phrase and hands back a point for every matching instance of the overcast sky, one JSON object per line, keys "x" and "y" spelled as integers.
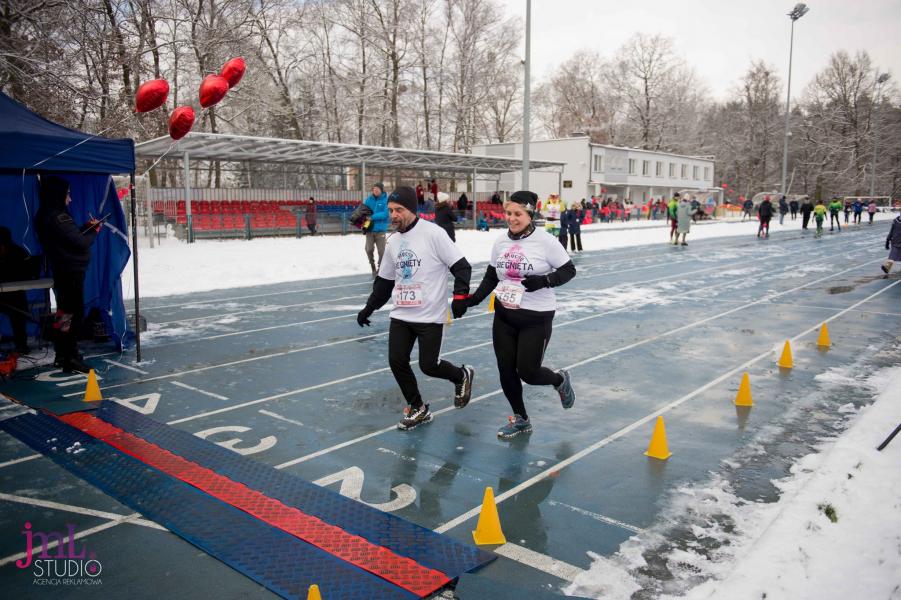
{"x": 719, "y": 38}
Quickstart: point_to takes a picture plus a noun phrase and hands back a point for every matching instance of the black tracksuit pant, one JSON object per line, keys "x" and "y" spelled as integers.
{"x": 520, "y": 339}
{"x": 401, "y": 337}
{"x": 68, "y": 287}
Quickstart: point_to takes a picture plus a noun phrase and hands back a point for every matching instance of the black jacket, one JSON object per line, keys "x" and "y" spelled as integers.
{"x": 894, "y": 234}
{"x": 444, "y": 218}
{"x": 68, "y": 249}
{"x": 765, "y": 209}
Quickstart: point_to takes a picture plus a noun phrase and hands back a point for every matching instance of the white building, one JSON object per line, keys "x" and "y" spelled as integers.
{"x": 603, "y": 171}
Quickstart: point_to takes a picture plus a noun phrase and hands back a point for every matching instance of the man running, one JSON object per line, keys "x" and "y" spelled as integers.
{"x": 417, "y": 260}
{"x": 835, "y": 207}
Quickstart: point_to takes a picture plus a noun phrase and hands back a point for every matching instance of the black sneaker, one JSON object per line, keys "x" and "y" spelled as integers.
{"x": 565, "y": 389}
{"x": 73, "y": 365}
{"x": 464, "y": 389}
{"x": 413, "y": 417}
{"x": 884, "y": 269}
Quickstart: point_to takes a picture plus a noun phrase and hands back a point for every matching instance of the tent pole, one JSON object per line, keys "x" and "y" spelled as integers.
{"x": 134, "y": 264}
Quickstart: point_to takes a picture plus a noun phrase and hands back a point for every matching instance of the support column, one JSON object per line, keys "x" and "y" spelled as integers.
{"x": 475, "y": 204}
{"x": 134, "y": 264}
{"x": 190, "y": 224}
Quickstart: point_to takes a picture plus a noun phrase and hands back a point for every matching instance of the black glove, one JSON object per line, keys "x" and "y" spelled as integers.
{"x": 535, "y": 282}
{"x": 363, "y": 317}
{"x": 459, "y": 306}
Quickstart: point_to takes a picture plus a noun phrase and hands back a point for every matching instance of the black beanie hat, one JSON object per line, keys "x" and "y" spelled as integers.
{"x": 381, "y": 186}
{"x": 528, "y": 200}
{"x": 405, "y": 196}
{"x": 53, "y": 191}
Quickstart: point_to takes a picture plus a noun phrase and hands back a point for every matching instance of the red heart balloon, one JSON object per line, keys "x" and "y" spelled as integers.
{"x": 212, "y": 90}
{"x": 151, "y": 95}
{"x": 180, "y": 122}
{"x": 233, "y": 71}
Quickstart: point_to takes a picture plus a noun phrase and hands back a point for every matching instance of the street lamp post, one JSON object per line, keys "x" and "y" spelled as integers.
{"x": 797, "y": 12}
{"x": 526, "y": 100}
{"x": 879, "y": 81}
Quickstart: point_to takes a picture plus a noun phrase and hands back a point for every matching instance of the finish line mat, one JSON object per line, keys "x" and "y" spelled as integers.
{"x": 280, "y": 546}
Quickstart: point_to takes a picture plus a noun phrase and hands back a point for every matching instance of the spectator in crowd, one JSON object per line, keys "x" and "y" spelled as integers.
{"x": 420, "y": 194}
{"x": 764, "y": 214}
{"x": 68, "y": 250}
{"x": 572, "y": 222}
{"x": 377, "y": 225}
{"x": 496, "y": 198}
{"x": 857, "y": 206}
{"x": 671, "y": 215}
{"x": 16, "y": 265}
{"x": 793, "y": 207}
{"x": 444, "y": 215}
{"x": 806, "y": 209}
{"x": 463, "y": 202}
{"x": 433, "y": 189}
{"x": 310, "y": 215}
{"x": 483, "y": 222}
{"x": 747, "y": 206}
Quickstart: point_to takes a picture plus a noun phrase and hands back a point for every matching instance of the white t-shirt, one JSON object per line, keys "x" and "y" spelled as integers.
{"x": 417, "y": 262}
{"x": 538, "y": 254}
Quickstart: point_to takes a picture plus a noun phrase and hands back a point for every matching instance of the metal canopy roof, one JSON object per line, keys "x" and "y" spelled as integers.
{"x": 227, "y": 147}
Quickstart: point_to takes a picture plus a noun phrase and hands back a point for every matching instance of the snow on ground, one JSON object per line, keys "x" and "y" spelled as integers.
{"x": 834, "y": 534}
{"x": 175, "y": 267}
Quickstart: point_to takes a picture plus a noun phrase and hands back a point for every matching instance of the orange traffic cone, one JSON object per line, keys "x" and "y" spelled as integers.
{"x": 92, "y": 391}
{"x": 744, "y": 392}
{"x": 785, "y": 361}
{"x": 488, "y": 529}
{"x": 658, "y": 448}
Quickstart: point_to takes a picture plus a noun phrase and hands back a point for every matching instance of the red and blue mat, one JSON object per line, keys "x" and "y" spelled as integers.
{"x": 279, "y": 530}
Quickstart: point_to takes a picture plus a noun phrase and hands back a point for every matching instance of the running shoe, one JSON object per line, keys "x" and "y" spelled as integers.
{"x": 884, "y": 268}
{"x": 515, "y": 425}
{"x": 413, "y": 417}
{"x": 565, "y": 389}
{"x": 464, "y": 389}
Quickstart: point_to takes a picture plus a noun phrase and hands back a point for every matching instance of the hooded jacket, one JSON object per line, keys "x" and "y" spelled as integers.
{"x": 67, "y": 248}
{"x": 894, "y": 235}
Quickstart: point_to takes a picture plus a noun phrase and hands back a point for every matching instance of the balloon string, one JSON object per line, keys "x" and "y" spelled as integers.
{"x": 162, "y": 156}
{"x": 87, "y": 139}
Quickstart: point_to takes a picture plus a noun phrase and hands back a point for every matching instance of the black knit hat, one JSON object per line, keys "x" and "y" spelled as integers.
{"x": 381, "y": 186}
{"x": 528, "y": 200}
{"x": 53, "y": 191}
{"x": 405, "y": 196}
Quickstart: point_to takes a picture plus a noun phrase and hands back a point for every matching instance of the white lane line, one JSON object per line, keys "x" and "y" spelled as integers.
{"x": 539, "y": 561}
{"x": 647, "y": 418}
{"x": 597, "y": 516}
{"x": 863, "y": 312}
{"x": 124, "y": 366}
{"x": 260, "y": 309}
{"x": 280, "y": 417}
{"x": 229, "y": 299}
{"x": 16, "y": 461}
{"x": 246, "y": 331}
{"x": 198, "y": 390}
{"x": 79, "y": 510}
{"x": 375, "y": 335}
{"x": 640, "y": 342}
{"x": 384, "y": 369}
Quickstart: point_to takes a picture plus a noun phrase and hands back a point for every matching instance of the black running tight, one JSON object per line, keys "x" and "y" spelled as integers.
{"x": 520, "y": 339}
{"x": 401, "y": 337}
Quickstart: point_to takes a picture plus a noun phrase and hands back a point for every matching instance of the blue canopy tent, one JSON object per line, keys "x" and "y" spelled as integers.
{"x": 31, "y": 145}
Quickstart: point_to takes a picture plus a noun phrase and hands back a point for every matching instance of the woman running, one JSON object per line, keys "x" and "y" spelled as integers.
{"x": 526, "y": 264}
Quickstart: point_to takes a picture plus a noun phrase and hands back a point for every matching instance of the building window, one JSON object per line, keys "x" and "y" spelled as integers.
{"x": 696, "y": 173}
{"x": 672, "y": 170}
{"x": 659, "y": 171}
{"x": 684, "y": 171}
{"x": 632, "y": 162}
{"x": 706, "y": 173}
{"x": 598, "y": 162}
{"x": 645, "y": 167}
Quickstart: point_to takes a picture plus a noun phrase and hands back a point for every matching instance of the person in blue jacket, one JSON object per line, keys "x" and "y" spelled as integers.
{"x": 377, "y": 225}
{"x": 573, "y": 223}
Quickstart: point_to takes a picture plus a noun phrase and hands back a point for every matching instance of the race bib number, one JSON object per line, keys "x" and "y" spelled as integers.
{"x": 509, "y": 295}
{"x": 408, "y": 294}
